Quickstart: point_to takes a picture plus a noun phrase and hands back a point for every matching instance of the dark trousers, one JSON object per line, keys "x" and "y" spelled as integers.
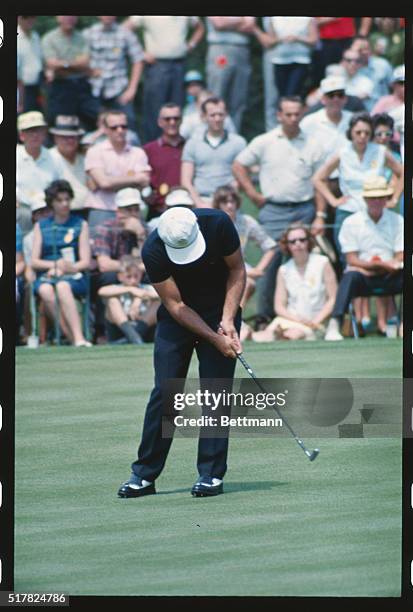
{"x": 73, "y": 97}
{"x": 31, "y": 98}
{"x": 173, "y": 350}
{"x": 356, "y": 284}
{"x": 289, "y": 78}
{"x": 163, "y": 82}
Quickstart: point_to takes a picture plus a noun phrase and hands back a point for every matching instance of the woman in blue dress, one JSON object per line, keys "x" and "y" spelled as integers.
{"x": 61, "y": 252}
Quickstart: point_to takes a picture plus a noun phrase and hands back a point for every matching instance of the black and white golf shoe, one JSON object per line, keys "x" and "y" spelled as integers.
{"x": 206, "y": 486}
{"x": 136, "y": 487}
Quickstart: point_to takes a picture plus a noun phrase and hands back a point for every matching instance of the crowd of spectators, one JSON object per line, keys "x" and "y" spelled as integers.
{"x": 98, "y": 164}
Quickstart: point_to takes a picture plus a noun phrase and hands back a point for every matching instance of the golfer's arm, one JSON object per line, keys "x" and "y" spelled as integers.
{"x": 235, "y": 285}
{"x": 183, "y": 314}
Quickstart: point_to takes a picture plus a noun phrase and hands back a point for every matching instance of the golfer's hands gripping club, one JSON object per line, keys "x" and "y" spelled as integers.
{"x": 228, "y": 342}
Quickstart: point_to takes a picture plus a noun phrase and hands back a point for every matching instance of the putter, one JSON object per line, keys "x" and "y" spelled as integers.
{"x": 310, "y": 454}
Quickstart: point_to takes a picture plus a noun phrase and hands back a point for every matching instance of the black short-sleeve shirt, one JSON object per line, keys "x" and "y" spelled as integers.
{"x": 202, "y": 283}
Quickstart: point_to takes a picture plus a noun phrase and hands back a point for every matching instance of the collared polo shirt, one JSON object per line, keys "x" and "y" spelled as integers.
{"x": 331, "y": 135}
{"x": 165, "y": 35}
{"x": 212, "y": 163}
{"x": 57, "y": 45}
{"x": 34, "y": 175}
{"x": 105, "y": 157}
{"x": 360, "y": 234}
{"x": 76, "y": 175}
{"x": 110, "y": 49}
{"x": 165, "y": 161}
{"x": 286, "y": 165}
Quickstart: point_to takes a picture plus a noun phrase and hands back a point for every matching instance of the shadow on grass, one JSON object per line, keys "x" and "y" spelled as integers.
{"x": 236, "y": 487}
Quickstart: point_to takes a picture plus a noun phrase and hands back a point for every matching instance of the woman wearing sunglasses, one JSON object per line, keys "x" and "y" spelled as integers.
{"x": 355, "y": 161}
{"x": 305, "y": 291}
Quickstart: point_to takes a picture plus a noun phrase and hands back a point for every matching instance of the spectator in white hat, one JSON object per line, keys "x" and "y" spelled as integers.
{"x": 35, "y": 166}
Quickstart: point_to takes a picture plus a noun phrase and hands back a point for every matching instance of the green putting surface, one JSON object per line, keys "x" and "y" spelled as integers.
{"x": 284, "y": 526}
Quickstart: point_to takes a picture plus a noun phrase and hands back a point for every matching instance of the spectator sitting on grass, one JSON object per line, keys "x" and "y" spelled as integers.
{"x": 130, "y": 305}
{"x": 305, "y": 291}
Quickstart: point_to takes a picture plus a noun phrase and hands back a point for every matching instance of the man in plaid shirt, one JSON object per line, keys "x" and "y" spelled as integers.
{"x": 111, "y": 46}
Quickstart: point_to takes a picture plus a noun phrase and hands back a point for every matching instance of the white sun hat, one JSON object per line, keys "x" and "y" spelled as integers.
{"x": 179, "y": 230}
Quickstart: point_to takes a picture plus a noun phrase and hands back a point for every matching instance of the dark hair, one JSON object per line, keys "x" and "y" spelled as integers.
{"x": 56, "y": 187}
{"x": 383, "y": 119}
{"x": 296, "y": 99}
{"x": 283, "y": 241}
{"x": 211, "y": 100}
{"x": 113, "y": 112}
{"x": 169, "y": 105}
{"x": 364, "y": 117}
{"x": 222, "y": 193}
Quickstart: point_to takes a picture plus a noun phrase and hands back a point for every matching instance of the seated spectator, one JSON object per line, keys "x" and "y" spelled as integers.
{"x": 355, "y": 161}
{"x": 388, "y": 40}
{"x": 377, "y": 69}
{"x": 194, "y": 123}
{"x": 35, "y": 166}
{"x": 66, "y": 56}
{"x": 293, "y": 38}
{"x": 113, "y": 49}
{"x": 123, "y": 235}
{"x": 112, "y": 165}
{"x": 194, "y": 84}
{"x": 372, "y": 241}
{"x": 66, "y": 134}
{"x": 61, "y": 253}
{"x": 397, "y": 114}
{"x": 164, "y": 157}
{"x": 30, "y": 63}
{"x": 178, "y": 196}
{"x": 396, "y": 97}
{"x": 207, "y": 162}
{"x": 305, "y": 291}
{"x": 131, "y": 306}
{"x": 20, "y": 266}
{"x": 99, "y": 135}
{"x": 227, "y": 199}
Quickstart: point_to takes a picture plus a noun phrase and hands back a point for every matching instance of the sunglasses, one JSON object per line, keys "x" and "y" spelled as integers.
{"x": 120, "y": 126}
{"x": 176, "y": 118}
{"x": 381, "y": 134}
{"x": 295, "y": 240}
{"x": 335, "y": 94}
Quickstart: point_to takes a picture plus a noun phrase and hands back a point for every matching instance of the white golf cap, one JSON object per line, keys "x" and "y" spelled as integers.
{"x": 37, "y": 201}
{"x": 332, "y": 83}
{"x": 179, "y": 197}
{"x": 179, "y": 230}
{"x": 398, "y": 74}
{"x": 128, "y": 197}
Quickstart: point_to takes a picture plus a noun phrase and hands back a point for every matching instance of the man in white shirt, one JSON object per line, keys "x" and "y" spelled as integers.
{"x": 67, "y": 134}
{"x": 372, "y": 241}
{"x": 288, "y": 159}
{"x": 166, "y": 44}
{"x": 29, "y": 61}
{"x": 35, "y": 166}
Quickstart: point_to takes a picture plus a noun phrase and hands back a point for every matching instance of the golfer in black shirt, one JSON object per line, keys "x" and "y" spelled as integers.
{"x": 195, "y": 264}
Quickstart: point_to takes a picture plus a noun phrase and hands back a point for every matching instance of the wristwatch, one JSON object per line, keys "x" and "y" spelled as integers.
{"x": 321, "y": 214}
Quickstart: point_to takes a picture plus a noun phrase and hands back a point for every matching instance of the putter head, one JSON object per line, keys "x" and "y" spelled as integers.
{"x": 314, "y": 454}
